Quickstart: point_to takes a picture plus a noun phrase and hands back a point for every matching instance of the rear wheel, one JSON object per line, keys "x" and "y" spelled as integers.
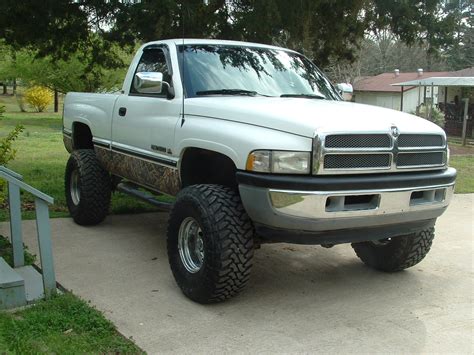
{"x": 395, "y": 254}
{"x": 88, "y": 188}
{"x": 210, "y": 243}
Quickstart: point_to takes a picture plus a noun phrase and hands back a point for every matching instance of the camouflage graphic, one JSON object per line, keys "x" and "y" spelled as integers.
{"x": 67, "y": 143}
{"x": 161, "y": 178}
{"x": 104, "y": 156}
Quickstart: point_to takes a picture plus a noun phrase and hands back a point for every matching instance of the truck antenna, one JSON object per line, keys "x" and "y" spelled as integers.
{"x": 182, "y": 65}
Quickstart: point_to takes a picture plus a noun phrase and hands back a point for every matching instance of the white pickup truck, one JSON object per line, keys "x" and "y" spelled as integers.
{"x": 257, "y": 146}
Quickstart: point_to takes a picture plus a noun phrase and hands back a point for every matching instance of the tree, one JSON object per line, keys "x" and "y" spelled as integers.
{"x": 78, "y": 73}
{"x": 322, "y": 29}
{"x": 461, "y": 54}
{"x": 79, "y": 40}
{"x": 381, "y": 53}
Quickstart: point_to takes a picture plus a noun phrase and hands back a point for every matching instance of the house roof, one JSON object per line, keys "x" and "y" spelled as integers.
{"x": 384, "y": 82}
{"x": 441, "y": 81}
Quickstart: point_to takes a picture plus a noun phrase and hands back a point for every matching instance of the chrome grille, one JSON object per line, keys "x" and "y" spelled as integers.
{"x": 420, "y": 140}
{"x": 348, "y": 153}
{"x": 358, "y": 141}
{"x": 420, "y": 159}
{"x": 356, "y": 161}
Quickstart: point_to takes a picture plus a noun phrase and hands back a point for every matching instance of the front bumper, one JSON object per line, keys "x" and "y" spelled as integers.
{"x": 316, "y": 210}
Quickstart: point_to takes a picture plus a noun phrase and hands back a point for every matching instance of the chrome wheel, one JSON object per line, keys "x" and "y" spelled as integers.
{"x": 191, "y": 245}
{"x": 74, "y": 187}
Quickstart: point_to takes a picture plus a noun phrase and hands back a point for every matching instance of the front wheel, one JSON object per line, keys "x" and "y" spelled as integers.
{"x": 395, "y": 254}
{"x": 210, "y": 243}
{"x": 88, "y": 188}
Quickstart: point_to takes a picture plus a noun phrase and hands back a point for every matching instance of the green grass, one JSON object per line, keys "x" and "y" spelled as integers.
{"x": 62, "y": 325}
{"x": 41, "y": 159}
{"x": 465, "y": 167}
{"x": 6, "y": 252}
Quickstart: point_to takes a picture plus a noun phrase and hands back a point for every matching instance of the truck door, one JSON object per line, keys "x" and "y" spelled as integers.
{"x": 143, "y": 125}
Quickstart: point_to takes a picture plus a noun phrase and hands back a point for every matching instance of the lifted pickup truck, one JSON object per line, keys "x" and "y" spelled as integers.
{"x": 257, "y": 146}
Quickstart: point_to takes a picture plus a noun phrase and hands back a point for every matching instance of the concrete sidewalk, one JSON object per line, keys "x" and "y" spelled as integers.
{"x": 301, "y": 298}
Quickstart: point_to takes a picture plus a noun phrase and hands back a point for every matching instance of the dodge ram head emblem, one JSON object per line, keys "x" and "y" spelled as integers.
{"x": 395, "y": 131}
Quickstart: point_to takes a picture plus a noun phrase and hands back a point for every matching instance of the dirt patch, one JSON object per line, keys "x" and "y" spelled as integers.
{"x": 460, "y": 150}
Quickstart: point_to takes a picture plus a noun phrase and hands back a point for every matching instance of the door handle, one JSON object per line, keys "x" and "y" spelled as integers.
{"x": 122, "y": 111}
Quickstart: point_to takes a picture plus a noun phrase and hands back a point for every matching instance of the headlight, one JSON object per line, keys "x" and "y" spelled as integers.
{"x": 280, "y": 162}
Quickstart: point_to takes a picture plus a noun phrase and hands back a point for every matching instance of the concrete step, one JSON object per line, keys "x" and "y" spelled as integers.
{"x": 33, "y": 283}
{"x": 12, "y": 287}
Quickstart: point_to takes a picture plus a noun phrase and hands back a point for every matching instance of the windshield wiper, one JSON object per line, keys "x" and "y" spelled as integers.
{"x": 305, "y": 96}
{"x": 228, "y": 92}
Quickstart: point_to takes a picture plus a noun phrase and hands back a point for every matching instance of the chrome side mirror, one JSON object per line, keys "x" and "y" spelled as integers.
{"x": 346, "y": 90}
{"x": 148, "y": 82}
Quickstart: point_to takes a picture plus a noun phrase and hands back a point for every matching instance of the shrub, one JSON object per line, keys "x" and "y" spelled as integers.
{"x": 2, "y": 110}
{"x": 38, "y": 97}
{"x": 7, "y": 153}
{"x": 437, "y": 116}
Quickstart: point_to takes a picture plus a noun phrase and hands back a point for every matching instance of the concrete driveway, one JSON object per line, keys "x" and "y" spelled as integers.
{"x": 301, "y": 298}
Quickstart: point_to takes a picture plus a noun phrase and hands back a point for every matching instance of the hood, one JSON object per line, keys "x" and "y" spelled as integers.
{"x": 306, "y": 116}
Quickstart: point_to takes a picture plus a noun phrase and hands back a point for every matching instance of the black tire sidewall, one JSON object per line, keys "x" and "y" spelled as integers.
{"x": 72, "y": 165}
{"x": 195, "y": 285}
{"x": 94, "y": 184}
{"x": 227, "y": 238}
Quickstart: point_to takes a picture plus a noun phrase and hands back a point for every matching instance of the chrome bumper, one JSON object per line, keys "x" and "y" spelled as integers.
{"x": 319, "y": 211}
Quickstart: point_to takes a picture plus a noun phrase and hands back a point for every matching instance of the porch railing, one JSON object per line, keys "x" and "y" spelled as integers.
{"x": 15, "y": 184}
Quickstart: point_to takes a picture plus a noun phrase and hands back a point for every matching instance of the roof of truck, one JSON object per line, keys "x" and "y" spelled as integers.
{"x": 179, "y": 41}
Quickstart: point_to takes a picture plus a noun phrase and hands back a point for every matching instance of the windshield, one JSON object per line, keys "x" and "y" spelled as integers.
{"x": 251, "y": 71}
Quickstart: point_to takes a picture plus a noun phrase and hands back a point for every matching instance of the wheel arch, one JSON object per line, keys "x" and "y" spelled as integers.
{"x": 206, "y": 166}
{"x": 81, "y": 136}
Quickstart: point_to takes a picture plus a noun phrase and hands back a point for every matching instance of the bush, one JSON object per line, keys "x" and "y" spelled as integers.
{"x": 2, "y": 110}
{"x": 7, "y": 153}
{"x": 38, "y": 97}
{"x": 437, "y": 116}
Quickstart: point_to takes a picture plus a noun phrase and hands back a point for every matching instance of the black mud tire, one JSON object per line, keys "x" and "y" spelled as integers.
{"x": 94, "y": 185}
{"x": 227, "y": 235}
{"x": 396, "y": 254}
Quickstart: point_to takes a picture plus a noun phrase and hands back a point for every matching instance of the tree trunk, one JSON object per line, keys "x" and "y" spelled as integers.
{"x": 56, "y": 101}
{"x": 14, "y": 86}
{"x": 4, "y": 88}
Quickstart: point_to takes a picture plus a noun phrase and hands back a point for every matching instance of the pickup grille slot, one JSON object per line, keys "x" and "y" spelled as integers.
{"x": 358, "y": 141}
{"x": 420, "y": 159}
{"x": 352, "y": 203}
{"x": 427, "y": 196}
{"x": 420, "y": 140}
{"x": 356, "y": 161}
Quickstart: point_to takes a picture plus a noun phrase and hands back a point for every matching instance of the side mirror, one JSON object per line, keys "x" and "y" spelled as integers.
{"x": 345, "y": 90}
{"x": 148, "y": 82}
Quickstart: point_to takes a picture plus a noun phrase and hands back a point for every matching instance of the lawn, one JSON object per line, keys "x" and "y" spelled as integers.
{"x": 465, "y": 167}
{"x": 41, "y": 159}
{"x": 64, "y": 324}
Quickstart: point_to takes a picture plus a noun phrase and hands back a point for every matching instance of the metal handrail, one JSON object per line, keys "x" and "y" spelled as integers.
{"x": 15, "y": 183}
